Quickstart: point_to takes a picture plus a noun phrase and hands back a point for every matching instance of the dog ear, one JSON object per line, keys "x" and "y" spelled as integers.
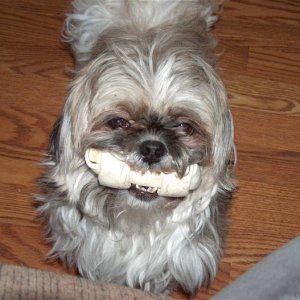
{"x": 84, "y": 25}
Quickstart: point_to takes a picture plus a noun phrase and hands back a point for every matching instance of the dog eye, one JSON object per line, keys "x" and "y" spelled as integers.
{"x": 118, "y": 123}
{"x": 186, "y": 128}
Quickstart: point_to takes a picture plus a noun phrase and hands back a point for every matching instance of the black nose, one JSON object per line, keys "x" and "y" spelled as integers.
{"x": 152, "y": 151}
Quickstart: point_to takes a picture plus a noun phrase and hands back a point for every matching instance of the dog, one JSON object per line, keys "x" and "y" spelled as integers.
{"x": 145, "y": 87}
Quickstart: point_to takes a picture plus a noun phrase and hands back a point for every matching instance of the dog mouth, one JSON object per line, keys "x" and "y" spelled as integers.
{"x": 144, "y": 193}
{"x": 146, "y": 185}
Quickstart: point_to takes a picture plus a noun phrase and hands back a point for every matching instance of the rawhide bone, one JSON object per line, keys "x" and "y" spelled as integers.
{"x": 113, "y": 172}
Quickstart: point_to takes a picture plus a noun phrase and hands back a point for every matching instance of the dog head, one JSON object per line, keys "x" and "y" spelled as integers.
{"x": 153, "y": 96}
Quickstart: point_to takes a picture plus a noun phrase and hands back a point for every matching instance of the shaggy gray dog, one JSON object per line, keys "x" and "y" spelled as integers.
{"x": 146, "y": 87}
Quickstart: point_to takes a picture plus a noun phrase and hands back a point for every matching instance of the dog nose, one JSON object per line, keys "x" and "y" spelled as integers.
{"x": 152, "y": 151}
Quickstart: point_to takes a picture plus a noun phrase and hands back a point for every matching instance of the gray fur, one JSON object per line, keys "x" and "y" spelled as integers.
{"x": 151, "y": 63}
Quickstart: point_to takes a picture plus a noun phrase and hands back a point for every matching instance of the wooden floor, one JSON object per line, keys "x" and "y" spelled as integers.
{"x": 260, "y": 64}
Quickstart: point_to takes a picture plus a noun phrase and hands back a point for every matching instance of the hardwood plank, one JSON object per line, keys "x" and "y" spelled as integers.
{"x": 279, "y": 63}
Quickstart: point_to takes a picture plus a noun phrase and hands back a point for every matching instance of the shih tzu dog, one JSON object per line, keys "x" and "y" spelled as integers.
{"x": 139, "y": 175}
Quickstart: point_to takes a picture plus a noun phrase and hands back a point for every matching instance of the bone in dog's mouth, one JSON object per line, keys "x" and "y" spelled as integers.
{"x": 114, "y": 172}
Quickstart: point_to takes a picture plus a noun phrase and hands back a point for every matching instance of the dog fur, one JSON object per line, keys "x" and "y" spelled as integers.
{"x": 145, "y": 70}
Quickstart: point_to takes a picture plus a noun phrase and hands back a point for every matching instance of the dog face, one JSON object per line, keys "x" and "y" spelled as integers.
{"x": 158, "y": 142}
{"x": 162, "y": 109}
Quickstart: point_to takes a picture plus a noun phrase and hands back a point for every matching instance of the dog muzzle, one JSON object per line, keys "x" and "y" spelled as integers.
{"x": 114, "y": 172}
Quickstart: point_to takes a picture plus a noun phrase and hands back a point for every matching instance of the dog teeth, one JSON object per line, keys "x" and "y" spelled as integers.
{"x": 147, "y": 189}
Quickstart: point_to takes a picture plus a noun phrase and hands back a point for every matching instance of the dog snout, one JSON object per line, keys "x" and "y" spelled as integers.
{"x": 152, "y": 151}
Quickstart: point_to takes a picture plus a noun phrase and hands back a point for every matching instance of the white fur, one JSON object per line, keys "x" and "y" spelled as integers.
{"x": 92, "y": 17}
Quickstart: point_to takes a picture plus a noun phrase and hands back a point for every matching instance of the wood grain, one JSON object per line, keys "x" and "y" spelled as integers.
{"x": 260, "y": 63}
